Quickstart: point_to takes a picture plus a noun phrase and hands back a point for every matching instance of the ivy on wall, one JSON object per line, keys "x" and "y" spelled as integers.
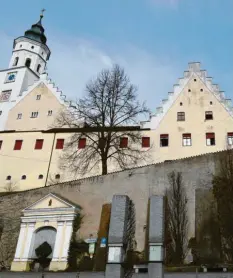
{"x": 77, "y": 248}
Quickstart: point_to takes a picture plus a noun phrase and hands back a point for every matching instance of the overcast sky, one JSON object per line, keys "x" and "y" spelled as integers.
{"x": 152, "y": 39}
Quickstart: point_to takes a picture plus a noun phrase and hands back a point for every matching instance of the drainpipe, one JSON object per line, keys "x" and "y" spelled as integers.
{"x": 50, "y": 159}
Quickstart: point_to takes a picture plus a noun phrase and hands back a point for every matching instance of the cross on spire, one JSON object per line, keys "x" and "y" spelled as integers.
{"x": 42, "y": 13}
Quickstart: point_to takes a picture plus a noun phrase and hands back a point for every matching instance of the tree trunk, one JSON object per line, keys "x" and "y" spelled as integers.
{"x": 104, "y": 166}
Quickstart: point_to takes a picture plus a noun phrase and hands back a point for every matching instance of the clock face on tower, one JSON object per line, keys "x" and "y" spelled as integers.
{"x": 11, "y": 77}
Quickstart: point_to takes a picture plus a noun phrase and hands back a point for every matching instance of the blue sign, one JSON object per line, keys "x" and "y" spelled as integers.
{"x": 103, "y": 240}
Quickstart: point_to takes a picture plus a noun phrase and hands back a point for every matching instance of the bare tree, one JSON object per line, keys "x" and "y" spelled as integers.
{"x": 109, "y": 107}
{"x": 11, "y": 186}
{"x": 177, "y": 217}
{"x": 223, "y": 193}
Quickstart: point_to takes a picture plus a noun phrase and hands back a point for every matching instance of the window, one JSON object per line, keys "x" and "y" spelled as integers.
{"x": 230, "y": 138}
{"x": 209, "y": 115}
{"x": 40, "y": 177}
{"x": 38, "y": 68}
{"x": 32, "y": 47}
{"x": 180, "y": 116}
{"x": 50, "y": 203}
{"x": 16, "y": 62}
{"x": 39, "y": 144}
{"x": 18, "y": 145}
{"x": 60, "y": 144}
{"x": 210, "y": 139}
{"x": 1, "y": 144}
{"x": 34, "y": 114}
{"x": 82, "y": 143}
{"x": 19, "y": 117}
{"x": 201, "y": 90}
{"x": 195, "y": 80}
{"x": 38, "y": 97}
{"x": 145, "y": 142}
{"x": 50, "y": 112}
{"x": 20, "y": 45}
{"x": 164, "y": 140}
{"x": 5, "y": 96}
{"x": 28, "y": 62}
{"x": 57, "y": 177}
{"x": 124, "y": 142}
{"x": 189, "y": 90}
{"x": 187, "y": 140}
{"x": 211, "y": 102}
{"x": 181, "y": 103}
{"x": 8, "y": 178}
{"x": 23, "y": 177}
{"x": 0, "y": 112}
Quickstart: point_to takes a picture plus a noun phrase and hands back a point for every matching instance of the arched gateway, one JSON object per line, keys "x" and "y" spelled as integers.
{"x": 50, "y": 221}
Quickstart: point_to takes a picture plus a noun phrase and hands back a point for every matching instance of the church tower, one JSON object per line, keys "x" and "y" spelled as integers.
{"x": 29, "y": 58}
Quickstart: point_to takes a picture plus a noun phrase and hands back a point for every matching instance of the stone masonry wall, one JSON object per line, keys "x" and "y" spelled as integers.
{"x": 139, "y": 184}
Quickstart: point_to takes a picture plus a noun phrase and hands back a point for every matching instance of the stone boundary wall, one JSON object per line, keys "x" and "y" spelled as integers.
{"x": 139, "y": 184}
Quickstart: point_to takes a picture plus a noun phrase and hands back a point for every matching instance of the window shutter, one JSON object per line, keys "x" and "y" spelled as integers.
{"x": 124, "y": 142}
{"x": 39, "y": 144}
{"x": 210, "y": 135}
{"x": 82, "y": 143}
{"x": 18, "y": 145}
{"x": 60, "y": 144}
{"x": 145, "y": 142}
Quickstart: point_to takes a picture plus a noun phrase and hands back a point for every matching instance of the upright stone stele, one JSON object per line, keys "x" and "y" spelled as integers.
{"x": 117, "y": 236}
{"x": 156, "y": 237}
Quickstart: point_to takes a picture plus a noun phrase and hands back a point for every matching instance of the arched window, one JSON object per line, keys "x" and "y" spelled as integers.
{"x": 38, "y": 68}
{"x": 23, "y": 177}
{"x": 28, "y": 62}
{"x": 8, "y": 178}
{"x": 40, "y": 177}
{"x": 16, "y": 61}
{"x": 57, "y": 177}
{"x": 50, "y": 202}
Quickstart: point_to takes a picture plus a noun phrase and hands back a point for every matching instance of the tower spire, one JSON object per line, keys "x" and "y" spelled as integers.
{"x": 41, "y": 15}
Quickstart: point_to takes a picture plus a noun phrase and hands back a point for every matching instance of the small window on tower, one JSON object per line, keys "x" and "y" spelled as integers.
{"x": 1, "y": 144}
{"x": 28, "y": 62}
{"x": 164, "y": 140}
{"x": 16, "y": 62}
{"x": 38, "y": 68}
{"x": 38, "y": 97}
{"x": 32, "y": 47}
{"x": 8, "y": 178}
{"x": 0, "y": 112}
{"x": 50, "y": 112}
{"x": 57, "y": 177}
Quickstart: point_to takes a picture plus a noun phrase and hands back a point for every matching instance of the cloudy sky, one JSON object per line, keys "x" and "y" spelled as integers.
{"x": 152, "y": 39}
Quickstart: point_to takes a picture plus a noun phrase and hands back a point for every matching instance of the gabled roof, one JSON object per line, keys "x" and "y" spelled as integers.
{"x": 44, "y": 81}
{"x": 194, "y": 71}
{"x": 61, "y": 203}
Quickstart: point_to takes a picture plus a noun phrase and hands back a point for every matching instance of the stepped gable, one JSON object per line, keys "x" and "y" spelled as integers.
{"x": 194, "y": 70}
{"x": 45, "y": 81}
